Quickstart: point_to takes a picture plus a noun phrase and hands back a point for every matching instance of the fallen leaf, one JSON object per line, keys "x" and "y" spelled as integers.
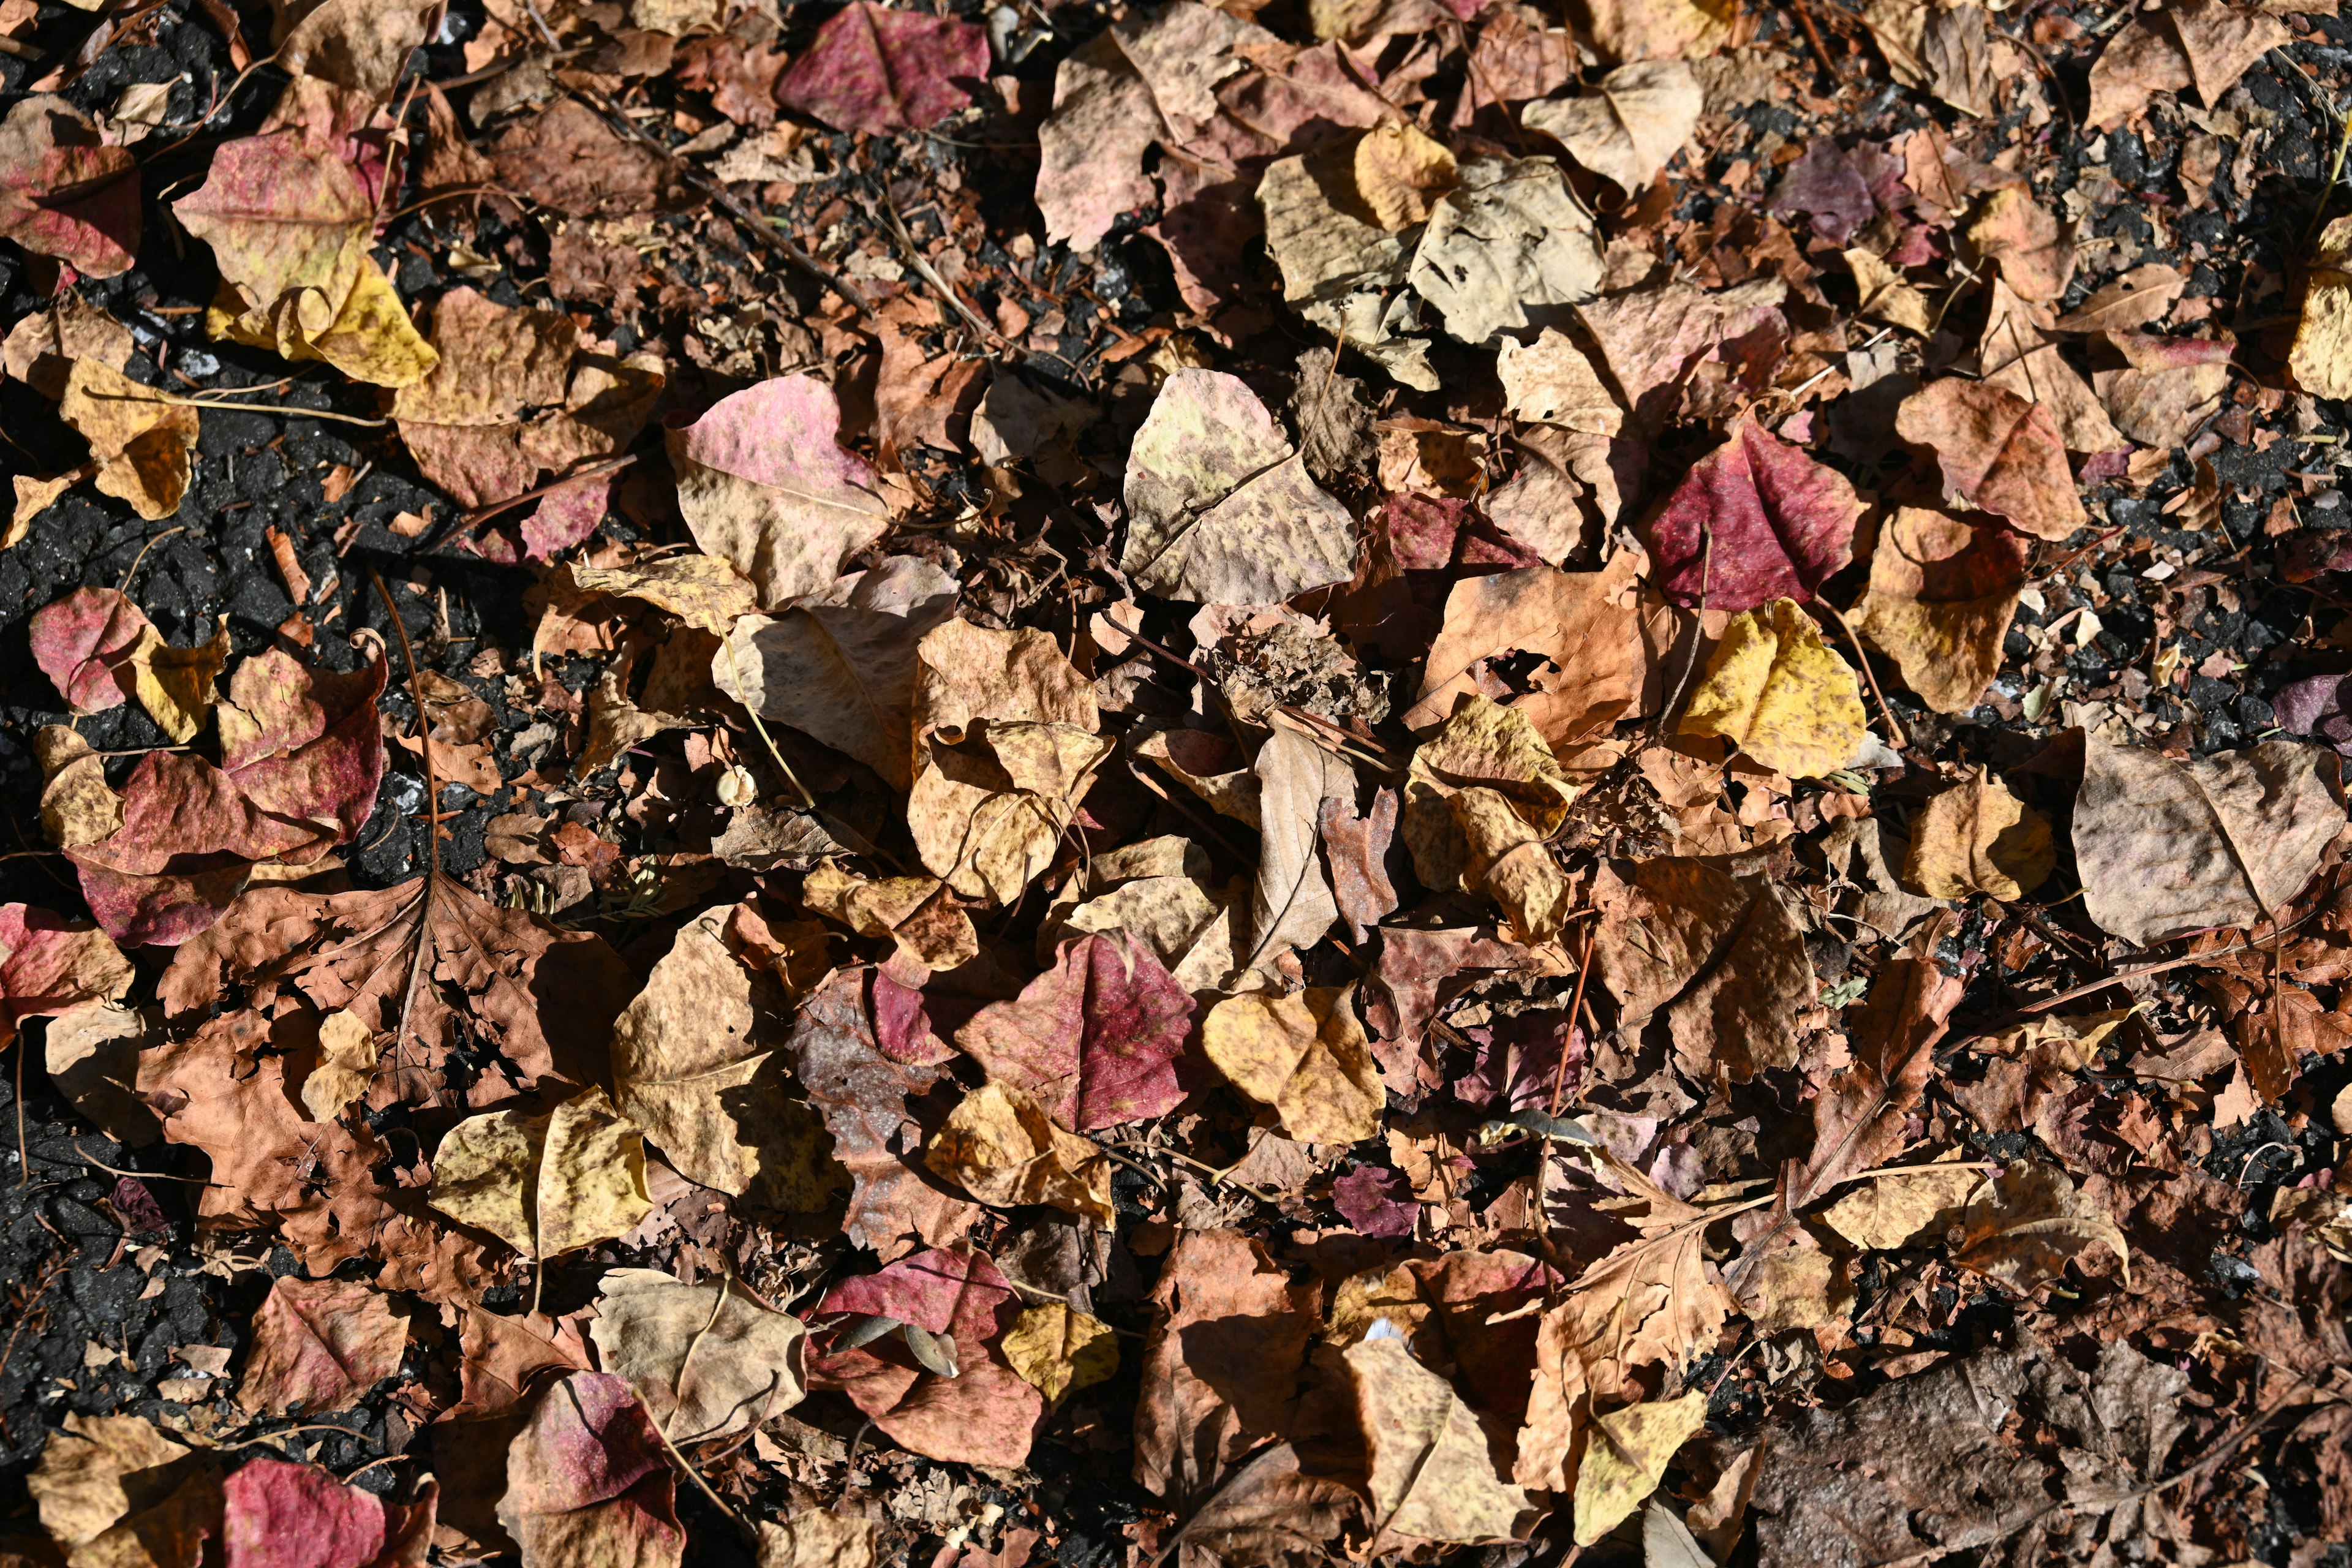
{"x": 818, "y": 1539}
{"x": 1220, "y": 507}
{"x": 1430, "y": 1475}
{"x": 861, "y": 1095}
{"x": 140, "y": 441}
{"x": 1720, "y": 954}
{"x": 841, "y": 666}
{"x": 2139, "y": 297}
{"x": 1552, "y": 382}
{"x": 874, "y": 69}
{"x": 984, "y": 1415}
{"x": 588, "y": 1481}
{"x": 2035, "y": 251}
{"x": 2204, "y": 44}
{"x": 1979, "y": 838}
{"x": 1304, "y": 1055}
{"x": 1221, "y": 1361}
{"x": 1904, "y": 1209}
{"x": 1887, "y": 297}
{"x": 1597, "y": 630}
{"x": 303, "y": 742}
{"x": 175, "y": 684}
{"x": 114, "y": 1490}
{"x": 319, "y": 1344}
{"x": 1483, "y": 795}
{"x": 1859, "y": 1119}
{"x": 1058, "y": 1349}
{"x": 2321, "y": 359}
{"x": 1377, "y": 1202}
{"x": 1356, "y": 847}
{"x": 567, "y": 158}
{"x": 709, "y": 1359}
{"x": 1942, "y": 595}
{"x": 1754, "y": 520}
{"x": 999, "y": 1145}
{"x": 2166, "y": 848}
{"x": 917, "y": 912}
{"x": 988, "y": 813}
{"x": 1627, "y": 126}
{"x": 63, "y": 191}
{"x": 353, "y": 44}
{"x": 1652, "y": 340}
{"x": 1291, "y": 905}
{"x": 1506, "y": 237}
{"x": 763, "y": 484}
{"x": 278, "y": 1515}
{"x": 1775, "y": 690}
{"x": 2025, "y": 1227}
{"x": 1658, "y": 29}
{"x": 2019, "y": 357}
{"x": 1095, "y": 1039}
{"x": 40, "y": 348}
{"x": 1998, "y": 452}
{"x": 1626, "y": 1456}
{"x": 1270, "y": 1511}
{"x": 546, "y": 1185}
{"x": 2165, "y": 388}
{"x": 50, "y": 963}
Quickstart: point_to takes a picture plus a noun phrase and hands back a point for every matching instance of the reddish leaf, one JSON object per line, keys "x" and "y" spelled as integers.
{"x": 48, "y": 963}
{"x": 878, "y": 70}
{"x": 1754, "y": 520}
{"x": 982, "y": 1415}
{"x": 319, "y": 1344}
{"x": 65, "y": 194}
{"x": 281, "y": 1515}
{"x": 82, "y": 641}
{"x": 1998, "y": 452}
{"x": 588, "y": 1481}
{"x": 1357, "y": 847}
{"x": 1377, "y": 1202}
{"x": 305, "y": 743}
{"x": 1221, "y": 1364}
{"x": 1095, "y": 1039}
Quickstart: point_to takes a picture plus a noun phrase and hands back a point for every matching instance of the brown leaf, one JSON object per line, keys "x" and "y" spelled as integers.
{"x": 1597, "y": 632}
{"x": 1304, "y": 1055}
{"x": 1998, "y": 452}
{"x": 567, "y": 158}
{"x": 1719, "y": 953}
{"x": 1979, "y": 838}
{"x": 2029, "y": 1222}
{"x": 1431, "y": 1476}
{"x": 1355, "y": 845}
{"x": 1942, "y": 592}
{"x": 319, "y": 1344}
{"x": 1221, "y": 1361}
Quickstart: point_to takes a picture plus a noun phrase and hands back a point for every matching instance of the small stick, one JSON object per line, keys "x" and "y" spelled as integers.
{"x": 1583, "y": 968}
{"x": 1902, "y": 736}
{"x": 1813, "y": 37}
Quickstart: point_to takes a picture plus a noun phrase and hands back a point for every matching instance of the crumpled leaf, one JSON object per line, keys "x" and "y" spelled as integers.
{"x": 1058, "y": 1349}
{"x": 1887, "y": 297}
{"x": 112, "y": 1490}
{"x": 1942, "y": 593}
{"x": 917, "y": 913}
{"x": 1221, "y": 1360}
{"x": 546, "y": 1185}
{"x": 1000, "y": 1145}
{"x": 840, "y": 667}
{"x": 49, "y": 964}
{"x": 1506, "y": 237}
{"x": 988, "y": 813}
{"x": 861, "y": 1094}
{"x": 2164, "y": 847}
{"x": 1219, "y": 507}
{"x": 1979, "y": 838}
{"x": 877, "y": 70}
{"x": 319, "y": 1344}
{"x": 278, "y": 1515}
{"x": 693, "y": 1065}
{"x": 1775, "y": 689}
{"x": 1719, "y": 952}
{"x": 2029, "y": 1222}
{"x": 589, "y": 1482}
{"x": 291, "y": 232}
{"x": 2204, "y": 44}
{"x": 982, "y": 1416}
{"x": 1628, "y": 125}
{"x": 2159, "y": 390}
{"x": 710, "y": 1359}
{"x": 1754, "y": 520}
{"x": 1431, "y": 1477}
{"x": 1291, "y": 905}
{"x": 1597, "y": 632}
{"x": 140, "y": 442}
{"x": 1904, "y": 1210}
{"x": 818, "y": 1539}
{"x": 81, "y": 641}
{"x": 1304, "y": 1055}
{"x": 1998, "y": 452}
{"x": 1652, "y": 339}
{"x": 304, "y": 743}
{"x": 1095, "y": 1039}
{"x": 1626, "y": 1456}
{"x": 1483, "y": 794}
{"x": 764, "y": 484}
{"x": 63, "y": 192}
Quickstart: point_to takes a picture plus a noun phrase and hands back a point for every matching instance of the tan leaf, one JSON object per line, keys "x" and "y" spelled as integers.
{"x": 1942, "y": 593}
{"x": 2036, "y": 252}
{"x": 140, "y": 442}
{"x": 545, "y": 1184}
{"x": 917, "y": 913}
{"x": 1886, "y": 297}
{"x": 1431, "y": 1476}
{"x": 1904, "y": 1209}
{"x": 1306, "y": 1055}
{"x": 116, "y": 1493}
{"x": 1483, "y": 794}
{"x": 707, "y": 1359}
{"x": 1293, "y": 905}
{"x": 987, "y": 815}
{"x": 346, "y": 1064}
{"x": 1998, "y": 451}
{"x": 1399, "y": 173}
{"x": 999, "y": 1145}
{"x": 319, "y": 1344}
{"x": 1598, "y": 633}
{"x": 1551, "y": 381}
{"x": 818, "y": 1539}
{"x": 1628, "y": 125}
{"x": 2030, "y": 1224}
{"x": 1720, "y": 954}
{"x": 1979, "y": 838}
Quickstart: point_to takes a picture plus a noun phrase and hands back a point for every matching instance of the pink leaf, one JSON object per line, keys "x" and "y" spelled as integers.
{"x": 48, "y": 963}
{"x": 299, "y": 1516}
{"x": 1754, "y": 520}
{"x": 588, "y": 1482}
{"x": 1376, "y": 1202}
{"x": 878, "y": 70}
{"x": 81, "y": 641}
{"x": 64, "y": 193}
{"x": 1095, "y": 1039}
{"x": 305, "y": 743}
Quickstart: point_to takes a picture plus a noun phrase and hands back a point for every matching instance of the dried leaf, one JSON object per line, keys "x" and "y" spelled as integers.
{"x": 589, "y": 1483}
{"x": 2028, "y": 1224}
{"x": 1598, "y": 634}
{"x": 1904, "y": 1208}
{"x": 875, "y": 70}
{"x": 114, "y": 1490}
{"x": 710, "y": 1359}
{"x": 2166, "y": 388}
{"x": 50, "y": 963}
{"x": 1628, "y": 125}
{"x": 2166, "y": 848}
{"x": 987, "y": 815}
{"x": 1431, "y": 1476}
{"x": 999, "y": 1145}
{"x": 2036, "y": 253}
{"x": 1507, "y": 238}
{"x": 1057, "y": 1350}
{"x": 1942, "y": 593}
{"x": 818, "y": 1539}
{"x": 175, "y": 684}
{"x": 319, "y": 1344}
{"x": 1979, "y": 838}
{"x": 1754, "y": 520}
{"x": 140, "y": 442}
{"x": 1551, "y": 381}
{"x": 2204, "y": 44}
{"x": 1997, "y": 453}
{"x": 1292, "y": 906}
{"x": 1625, "y": 1458}
{"x": 278, "y": 1515}
{"x": 1221, "y": 1361}
{"x": 1719, "y": 953}
{"x": 1095, "y": 1039}
{"x": 546, "y": 1185}
{"x": 1304, "y": 1055}
{"x": 1775, "y": 690}
{"x": 1269, "y": 1511}
{"x": 63, "y": 191}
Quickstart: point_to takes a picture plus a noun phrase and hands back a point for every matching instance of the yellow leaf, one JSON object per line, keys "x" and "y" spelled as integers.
{"x": 1979, "y": 838}
{"x": 999, "y": 1146}
{"x": 1799, "y": 1286}
{"x": 1304, "y": 1055}
{"x": 1904, "y": 1209}
{"x": 987, "y": 815}
{"x": 917, "y": 912}
{"x": 2321, "y": 360}
{"x": 1775, "y": 690}
{"x": 1432, "y": 1473}
{"x": 175, "y": 684}
{"x": 347, "y": 1061}
{"x": 545, "y": 1184}
{"x": 1940, "y": 597}
{"x": 1399, "y": 174}
{"x": 1885, "y": 297}
{"x": 1626, "y": 1456}
{"x": 1057, "y": 1350}
{"x": 140, "y": 441}
{"x": 33, "y": 498}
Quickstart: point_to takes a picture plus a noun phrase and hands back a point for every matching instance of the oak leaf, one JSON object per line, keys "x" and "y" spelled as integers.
{"x": 1304, "y": 1055}
{"x": 1775, "y": 690}
{"x": 1095, "y": 1039}
{"x": 707, "y": 1359}
{"x": 319, "y": 1344}
{"x": 2166, "y": 848}
{"x": 547, "y": 1184}
{"x": 1754, "y": 520}
{"x": 1942, "y": 593}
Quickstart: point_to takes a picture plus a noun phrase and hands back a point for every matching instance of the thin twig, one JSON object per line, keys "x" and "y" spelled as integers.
{"x": 1583, "y": 968}
{"x": 142, "y": 1175}
{"x": 592, "y": 471}
{"x": 431, "y": 842}
{"x": 1886, "y": 709}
